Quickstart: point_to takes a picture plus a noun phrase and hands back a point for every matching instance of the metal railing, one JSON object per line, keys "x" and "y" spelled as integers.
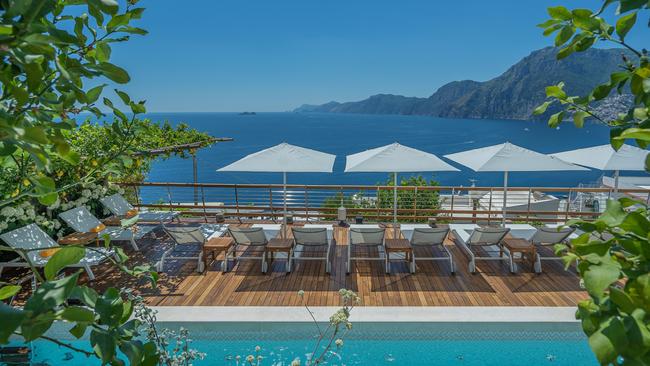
{"x": 374, "y": 203}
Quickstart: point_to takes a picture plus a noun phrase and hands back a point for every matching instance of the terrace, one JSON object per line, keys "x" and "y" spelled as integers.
{"x": 431, "y": 285}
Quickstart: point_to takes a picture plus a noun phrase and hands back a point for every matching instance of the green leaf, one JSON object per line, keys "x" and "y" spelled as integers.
{"x": 627, "y": 5}
{"x": 624, "y": 24}
{"x": 8, "y": 291}
{"x": 78, "y": 330}
{"x": 103, "y": 344}
{"x": 51, "y": 294}
{"x": 85, "y": 294}
{"x": 78, "y": 314}
{"x": 555, "y": 119}
{"x": 36, "y": 134}
{"x": 541, "y": 109}
{"x": 599, "y": 277}
{"x": 11, "y": 320}
{"x": 102, "y": 52}
{"x": 115, "y": 73}
{"x": 125, "y": 97}
{"x": 65, "y": 256}
{"x": 635, "y": 133}
{"x": 48, "y": 199}
{"x": 564, "y": 35}
{"x": 607, "y": 340}
{"x": 133, "y": 351}
{"x": 6, "y": 29}
{"x": 622, "y": 300}
{"x": 555, "y": 91}
{"x": 559, "y": 12}
{"x": 579, "y": 118}
{"x": 109, "y": 6}
{"x": 565, "y": 52}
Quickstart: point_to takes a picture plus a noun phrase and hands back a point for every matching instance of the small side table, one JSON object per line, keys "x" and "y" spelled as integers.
{"x": 280, "y": 246}
{"x": 525, "y": 248}
{"x": 399, "y": 246}
{"x": 215, "y": 246}
{"x": 78, "y": 239}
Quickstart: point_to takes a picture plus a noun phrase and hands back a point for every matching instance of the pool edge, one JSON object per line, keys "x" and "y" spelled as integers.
{"x": 440, "y": 314}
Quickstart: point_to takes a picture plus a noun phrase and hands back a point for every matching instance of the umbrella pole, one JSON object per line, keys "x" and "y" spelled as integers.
{"x": 284, "y": 220}
{"x": 395, "y": 205}
{"x": 616, "y": 173}
{"x": 505, "y": 197}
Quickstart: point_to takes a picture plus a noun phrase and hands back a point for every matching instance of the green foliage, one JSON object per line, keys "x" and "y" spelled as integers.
{"x": 612, "y": 255}
{"x": 578, "y": 30}
{"x": 49, "y": 50}
{"x": 410, "y": 199}
{"x": 406, "y": 199}
{"x": 613, "y": 259}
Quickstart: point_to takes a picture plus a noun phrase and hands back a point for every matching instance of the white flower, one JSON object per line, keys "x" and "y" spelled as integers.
{"x": 85, "y": 193}
{"x": 39, "y": 219}
{"x": 3, "y": 226}
{"x": 19, "y": 212}
{"x": 295, "y": 362}
{"x": 339, "y": 342}
{"x": 57, "y": 224}
{"x": 8, "y": 211}
{"x": 30, "y": 213}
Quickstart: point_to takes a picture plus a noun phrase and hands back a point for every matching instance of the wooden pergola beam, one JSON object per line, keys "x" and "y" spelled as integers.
{"x": 182, "y": 147}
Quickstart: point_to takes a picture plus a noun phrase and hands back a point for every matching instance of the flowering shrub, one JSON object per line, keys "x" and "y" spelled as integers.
{"x": 31, "y": 211}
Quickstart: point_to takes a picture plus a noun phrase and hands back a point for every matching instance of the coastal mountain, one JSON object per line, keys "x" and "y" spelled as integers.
{"x": 512, "y": 95}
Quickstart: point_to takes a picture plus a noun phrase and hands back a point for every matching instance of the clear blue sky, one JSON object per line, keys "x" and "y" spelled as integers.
{"x": 262, "y": 55}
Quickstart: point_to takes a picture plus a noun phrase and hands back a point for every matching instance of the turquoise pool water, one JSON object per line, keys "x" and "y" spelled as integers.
{"x": 526, "y": 344}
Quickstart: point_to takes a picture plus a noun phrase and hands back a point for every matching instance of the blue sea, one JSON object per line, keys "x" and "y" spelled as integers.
{"x": 343, "y": 134}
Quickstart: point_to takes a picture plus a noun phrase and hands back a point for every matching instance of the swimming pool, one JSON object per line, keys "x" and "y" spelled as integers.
{"x": 376, "y": 343}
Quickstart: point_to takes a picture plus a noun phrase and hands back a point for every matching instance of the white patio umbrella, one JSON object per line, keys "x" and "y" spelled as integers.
{"x": 395, "y": 158}
{"x": 604, "y": 157}
{"x": 284, "y": 158}
{"x": 506, "y": 158}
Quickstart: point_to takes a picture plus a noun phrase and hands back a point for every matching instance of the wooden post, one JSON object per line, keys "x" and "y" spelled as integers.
{"x": 451, "y": 216}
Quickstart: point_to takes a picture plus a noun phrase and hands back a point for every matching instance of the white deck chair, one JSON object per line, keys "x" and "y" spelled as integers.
{"x": 32, "y": 237}
{"x": 245, "y": 238}
{"x": 366, "y": 237}
{"x": 484, "y": 238}
{"x": 119, "y": 206}
{"x": 547, "y": 237}
{"x": 186, "y": 239}
{"x": 311, "y": 237}
{"x": 424, "y": 236}
{"x": 81, "y": 220}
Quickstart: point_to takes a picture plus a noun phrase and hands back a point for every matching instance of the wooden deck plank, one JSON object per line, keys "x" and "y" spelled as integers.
{"x": 431, "y": 285}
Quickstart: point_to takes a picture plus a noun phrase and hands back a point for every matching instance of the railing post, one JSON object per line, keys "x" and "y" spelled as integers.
{"x": 136, "y": 190}
{"x": 490, "y": 208}
{"x": 451, "y": 216}
{"x": 377, "y": 203}
{"x": 271, "y": 203}
{"x": 306, "y": 205}
{"x": 530, "y": 192}
{"x": 205, "y": 212}
{"x": 568, "y": 208}
{"x": 415, "y": 204}
{"x": 237, "y": 204}
{"x": 169, "y": 197}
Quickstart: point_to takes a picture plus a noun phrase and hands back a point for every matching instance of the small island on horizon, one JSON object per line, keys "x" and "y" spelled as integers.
{"x": 247, "y": 113}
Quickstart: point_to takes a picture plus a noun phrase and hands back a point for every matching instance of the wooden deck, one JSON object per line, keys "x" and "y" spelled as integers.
{"x": 431, "y": 285}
